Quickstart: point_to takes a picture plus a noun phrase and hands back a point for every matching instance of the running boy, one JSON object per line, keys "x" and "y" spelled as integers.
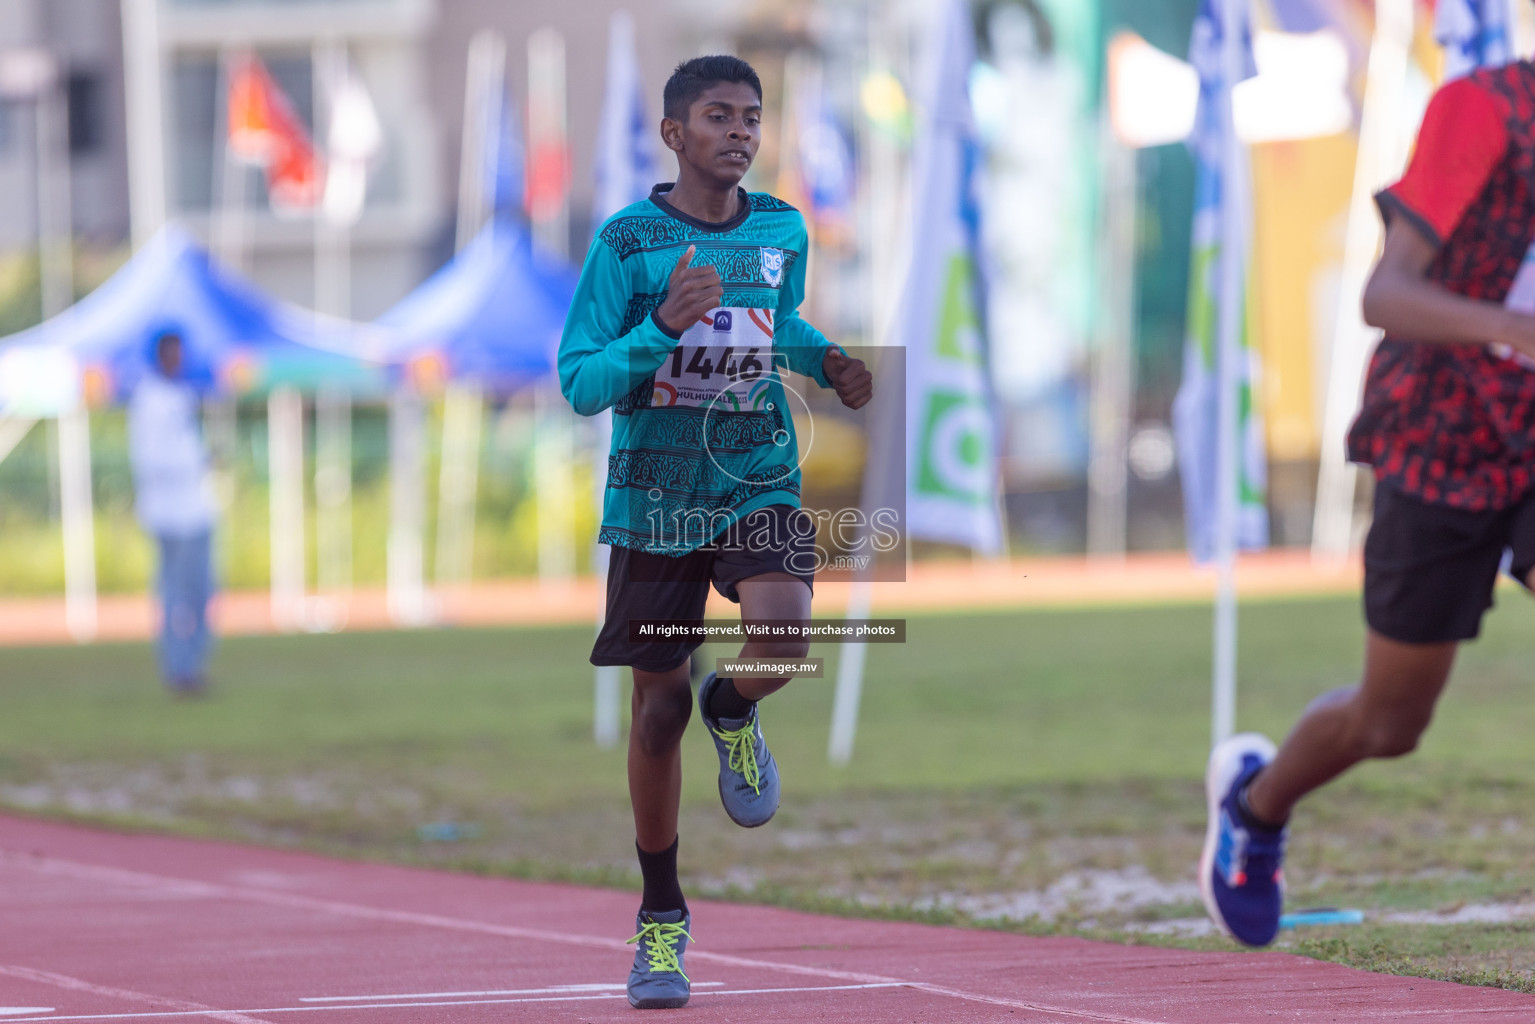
{"x": 1448, "y": 422}
{"x": 683, "y": 320}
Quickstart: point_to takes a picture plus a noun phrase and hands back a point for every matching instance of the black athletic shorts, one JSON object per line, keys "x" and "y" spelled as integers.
{"x": 1429, "y": 570}
{"x": 777, "y": 538}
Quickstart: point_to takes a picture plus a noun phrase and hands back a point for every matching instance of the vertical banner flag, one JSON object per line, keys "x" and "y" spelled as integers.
{"x": 265, "y": 131}
{"x": 626, "y": 169}
{"x": 1474, "y": 34}
{"x": 952, "y": 485}
{"x": 1195, "y": 409}
{"x": 626, "y": 160}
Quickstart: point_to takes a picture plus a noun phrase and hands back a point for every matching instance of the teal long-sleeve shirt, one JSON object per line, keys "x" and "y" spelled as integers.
{"x": 703, "y": 428}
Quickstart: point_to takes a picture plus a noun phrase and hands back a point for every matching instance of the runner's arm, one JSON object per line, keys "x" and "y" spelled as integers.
{"x": 1461, "y": 142}
{"x": 598, "y": 363}
{"x": 1401, "y": 302}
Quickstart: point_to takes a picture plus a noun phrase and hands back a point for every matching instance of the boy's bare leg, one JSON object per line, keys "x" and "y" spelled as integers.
{"x": 1383, "y": 716}
{"x": 662, "y": 705}
{"x": 773, "y": 595}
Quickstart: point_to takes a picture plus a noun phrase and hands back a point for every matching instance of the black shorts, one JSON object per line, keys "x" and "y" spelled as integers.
{"x": 1429, "y": 570}
{"x": 777, "y": 538}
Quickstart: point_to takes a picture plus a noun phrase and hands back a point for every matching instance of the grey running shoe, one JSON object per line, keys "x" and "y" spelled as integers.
{"x": 748, "y": 773}
{"x": 657, "y": 981}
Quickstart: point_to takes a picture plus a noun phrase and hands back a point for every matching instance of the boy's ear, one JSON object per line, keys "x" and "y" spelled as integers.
{"x": 671, "y": 134}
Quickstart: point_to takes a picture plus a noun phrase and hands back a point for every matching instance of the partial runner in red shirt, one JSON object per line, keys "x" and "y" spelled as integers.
{"x": 1448, "y": 424}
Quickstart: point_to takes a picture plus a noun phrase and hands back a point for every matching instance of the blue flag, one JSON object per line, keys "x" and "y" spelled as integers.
{"x": 1474, "y": 34}
{"x": 825, "y": 162}
{"x": 1196, "y": 408}
{"x": 626, "y": 139}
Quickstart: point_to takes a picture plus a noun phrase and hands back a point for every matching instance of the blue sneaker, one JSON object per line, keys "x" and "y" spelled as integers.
{"x": 748, "y": 774}
{"x": 1241, "y": 869}
{"x": 657, "y": 981}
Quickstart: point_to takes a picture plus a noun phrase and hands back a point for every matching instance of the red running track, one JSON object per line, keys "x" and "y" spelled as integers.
{"x": 104, "y": 926}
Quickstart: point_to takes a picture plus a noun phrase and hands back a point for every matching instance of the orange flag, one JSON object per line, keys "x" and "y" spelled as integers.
{"x": 264, "y": 130}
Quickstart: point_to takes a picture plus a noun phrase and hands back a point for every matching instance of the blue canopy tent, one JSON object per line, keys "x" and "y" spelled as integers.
{"x": 489, "y": 322}
{"x": 236, "y": 340}
{"x": 490, "y": 318}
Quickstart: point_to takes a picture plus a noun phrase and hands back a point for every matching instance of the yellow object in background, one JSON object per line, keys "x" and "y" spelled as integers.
{"x": 1299, "y": 224}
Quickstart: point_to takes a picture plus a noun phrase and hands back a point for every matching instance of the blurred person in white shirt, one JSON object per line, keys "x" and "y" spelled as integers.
{"x": 175, "y": 505}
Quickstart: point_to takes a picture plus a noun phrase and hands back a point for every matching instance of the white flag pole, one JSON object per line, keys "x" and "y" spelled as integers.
{"x": 850, "y": 668}
{"x": 407, "y": 598}
{"x": 285, "y": 471}
{"x": 230, "y": 174}
{"x": 1112, "y": 384}
{"x": 1234, "y": 196}
{"x": 144, "y": 86}
{"x": 607, "y": 695}
{"x": 54, "y": 247}
{"x": 333, "y": 508}
{"x": 79, "y": 524}
{"x": 623, "y": 177}
{"x": 227, "y": 236}
{"x": 333, "y": 405}
{"x": 55, "y": 222}
{"x": 553, "y": 447}
{"x": 885, "y": 254}
{"x": 463, "y": 404}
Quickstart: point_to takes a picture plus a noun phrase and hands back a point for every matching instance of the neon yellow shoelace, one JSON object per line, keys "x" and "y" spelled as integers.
{"x": 661, "y": 946}
{"x": 743, "y": 754}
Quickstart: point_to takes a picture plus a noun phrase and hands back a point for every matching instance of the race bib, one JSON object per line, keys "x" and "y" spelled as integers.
{"x": 724, "y": 361}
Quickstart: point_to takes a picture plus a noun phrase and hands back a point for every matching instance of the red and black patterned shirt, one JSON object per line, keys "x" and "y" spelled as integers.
{"x": 1455, "y": 424}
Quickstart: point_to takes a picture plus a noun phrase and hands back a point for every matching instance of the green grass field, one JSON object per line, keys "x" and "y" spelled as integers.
{"x": 1033, "y": 770}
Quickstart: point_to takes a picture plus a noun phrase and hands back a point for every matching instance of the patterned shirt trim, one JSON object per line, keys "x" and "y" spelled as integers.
{"x": 764, "y": 203}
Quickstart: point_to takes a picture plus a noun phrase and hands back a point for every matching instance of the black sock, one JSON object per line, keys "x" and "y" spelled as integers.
{"x": 1251, "y": 820}
{"x": 725, "y": 701}
{"x": 662, "y": 890}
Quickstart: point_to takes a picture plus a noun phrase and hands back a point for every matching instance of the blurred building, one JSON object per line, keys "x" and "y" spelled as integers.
{"x": 70, "y": 51}
{"x": 409, "y": 55}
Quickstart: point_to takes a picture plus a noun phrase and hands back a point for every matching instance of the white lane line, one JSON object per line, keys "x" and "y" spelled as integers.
{"x": 454, "y": 1002}
{"x": 551, "y": 990}
{"x": 292, "y": 901}
{"x": 23, "y": 1011}
{"x": 67, "y": 983}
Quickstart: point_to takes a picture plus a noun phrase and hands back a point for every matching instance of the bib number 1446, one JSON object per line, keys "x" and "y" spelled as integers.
{"x": 704, "y": 362}
{"x": 722, "y": 362}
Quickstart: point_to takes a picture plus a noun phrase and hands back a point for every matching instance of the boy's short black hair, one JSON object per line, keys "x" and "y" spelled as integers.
{"x": 693, "y": 77}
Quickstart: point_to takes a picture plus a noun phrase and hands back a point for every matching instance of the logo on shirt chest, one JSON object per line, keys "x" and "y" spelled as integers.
{"x": 772, "y": 266}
